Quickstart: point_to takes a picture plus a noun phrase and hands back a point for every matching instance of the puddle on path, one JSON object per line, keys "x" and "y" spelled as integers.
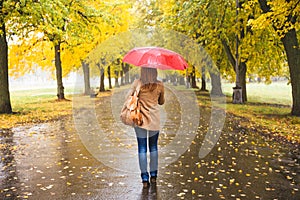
{"x": 49, "y": 161}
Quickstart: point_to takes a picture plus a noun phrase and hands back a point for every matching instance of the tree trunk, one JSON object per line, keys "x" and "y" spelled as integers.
{"x": 242, "y": 69}
{"x": 86, "y": 77}
{"x": 181, "y": 80}
{"x": 117, "y": 79}
{"x": 122, "y": 77}
{"x": 102, "y": 88}
{"x": 193, "y": 78}
{"x": 292, "y": 50}
{"x": 291, "y": 46}
{"x": 60, "y": 87}
{"x": 109, "y": 77}
{"x": 216, "y": 88}
{"x": 242, "y": 80}
{"x": 125, "y": 68}
{"x": 203, "y": 81}
{"x": 5, "y": 105}
{"x": 188, "y": 81}
{"x": 174, "y": 79}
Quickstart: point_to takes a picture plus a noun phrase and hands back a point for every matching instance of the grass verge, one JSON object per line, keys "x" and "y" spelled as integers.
{"x": 273, "y": 119}
{"x": 35, "y": 109}
{"x": 37, "y": 106}
{"x": 269, "y": 119}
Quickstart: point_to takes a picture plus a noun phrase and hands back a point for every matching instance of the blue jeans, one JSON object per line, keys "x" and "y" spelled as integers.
{"x": 142, "y": 135}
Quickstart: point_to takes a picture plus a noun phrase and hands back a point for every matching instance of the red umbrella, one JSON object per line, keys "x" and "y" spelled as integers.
{"x": 155, "y": 57}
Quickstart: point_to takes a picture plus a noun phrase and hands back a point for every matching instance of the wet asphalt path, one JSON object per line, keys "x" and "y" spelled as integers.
{"x": 52, "y": 161}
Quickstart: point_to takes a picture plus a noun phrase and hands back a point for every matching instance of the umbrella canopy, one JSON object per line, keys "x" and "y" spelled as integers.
{"x": 155, "y": 57}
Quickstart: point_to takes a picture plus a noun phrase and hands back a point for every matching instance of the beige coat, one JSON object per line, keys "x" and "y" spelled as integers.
{"x": 150, "y": 102}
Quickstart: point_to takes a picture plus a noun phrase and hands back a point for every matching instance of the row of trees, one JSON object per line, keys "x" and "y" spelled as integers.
{"x": 267, "y": 30}
{"x": 67, "y": 33}
{"x": 55, "y": 35}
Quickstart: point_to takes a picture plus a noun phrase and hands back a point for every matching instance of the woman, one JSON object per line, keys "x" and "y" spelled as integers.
{"x": 151, "y": 94}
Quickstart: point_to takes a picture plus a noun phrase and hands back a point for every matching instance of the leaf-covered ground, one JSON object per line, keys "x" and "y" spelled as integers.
{"x": 48, "y": 159}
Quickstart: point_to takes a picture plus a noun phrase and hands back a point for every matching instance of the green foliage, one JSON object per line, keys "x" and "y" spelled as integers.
{"x": 211, "y": 22}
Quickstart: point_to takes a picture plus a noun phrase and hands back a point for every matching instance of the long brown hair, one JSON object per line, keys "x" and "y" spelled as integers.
{"x": 149, "y": 78}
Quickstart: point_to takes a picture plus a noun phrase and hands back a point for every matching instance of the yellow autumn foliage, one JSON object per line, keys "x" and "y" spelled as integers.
{"x": 37, "y": 49}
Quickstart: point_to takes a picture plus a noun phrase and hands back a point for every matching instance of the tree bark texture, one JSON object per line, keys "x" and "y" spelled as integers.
{"x": 193, "y": 78}
{"x": 117, "y": 79}
{"x": 5, "y": 105}
{"x": 58, "y": 67}
{"x": 203, "y": 80}
{"x": 292, "y": 50}
{"x": 109, "y": 77}
{"x": 122, "y": 77}
{"x": 102, "y": 88}
{"x": 86, "y": 77}
{"x": 125, "y": 68}
{"x": 242, "y": 80}
{"x": 216, "y": 84}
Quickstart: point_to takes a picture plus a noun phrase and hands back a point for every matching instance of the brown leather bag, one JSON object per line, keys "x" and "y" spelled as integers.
{"x": 131, "y": 114}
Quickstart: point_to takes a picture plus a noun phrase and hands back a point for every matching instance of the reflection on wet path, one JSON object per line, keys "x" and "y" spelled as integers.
{"x": 49, "y": 161}
{"x": 8, "y": 175}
